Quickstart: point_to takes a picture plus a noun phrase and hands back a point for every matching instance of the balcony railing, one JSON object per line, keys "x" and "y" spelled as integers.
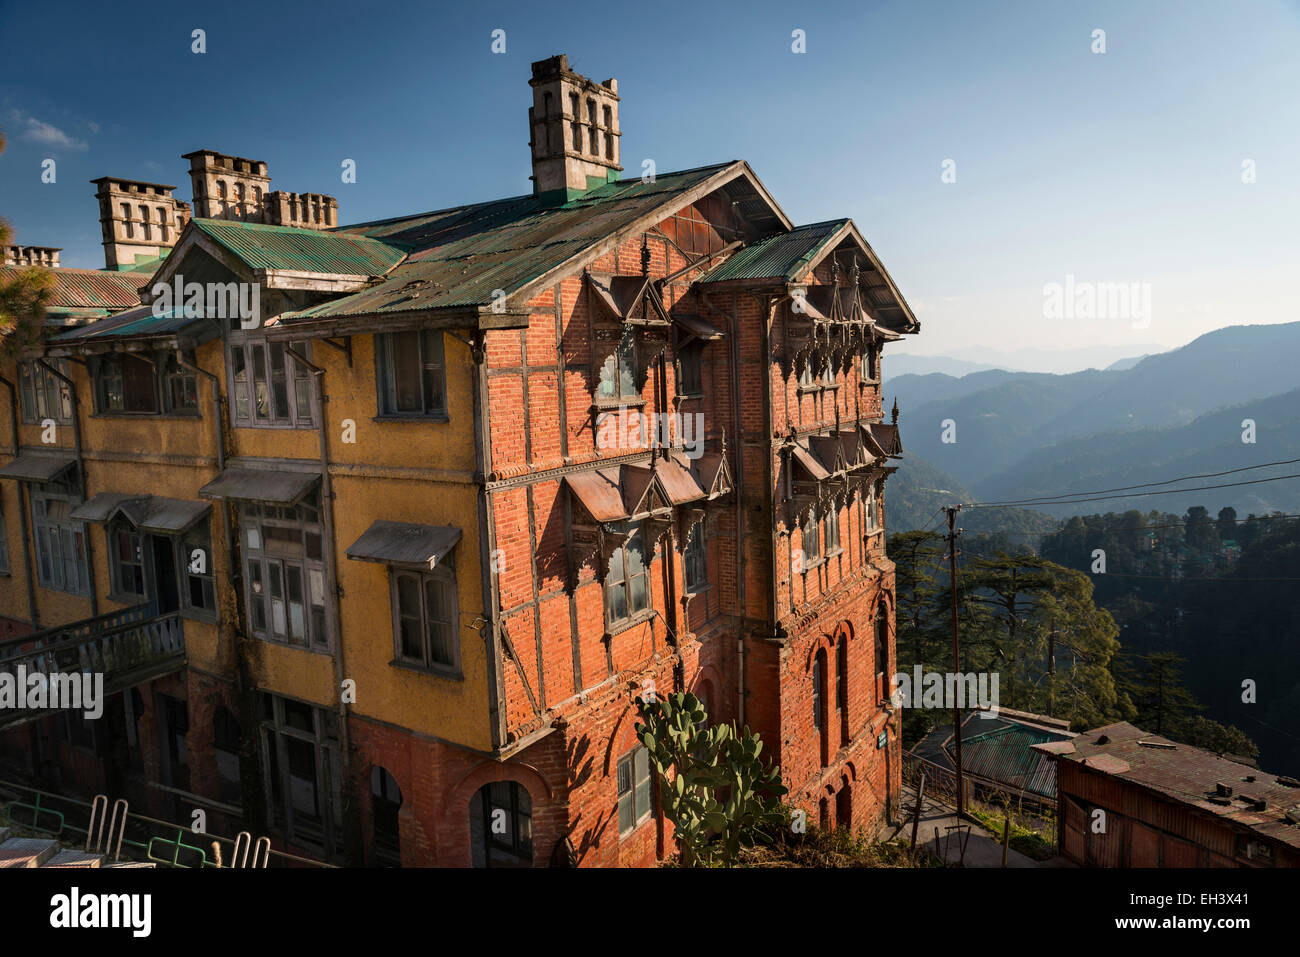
{"x": 126, "y": 647}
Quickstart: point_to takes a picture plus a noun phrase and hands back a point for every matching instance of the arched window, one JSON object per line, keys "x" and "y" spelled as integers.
{"x": 501, "y": 825}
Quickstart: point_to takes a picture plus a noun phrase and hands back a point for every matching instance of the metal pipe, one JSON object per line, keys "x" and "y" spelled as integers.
{"x": 81, "y": 476}
{"x": 327, "y": 530}
{"x": 218, "y": 421}
{"x": 22, "y": 512}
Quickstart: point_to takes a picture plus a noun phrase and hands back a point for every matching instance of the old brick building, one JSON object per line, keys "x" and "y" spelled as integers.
{"x": 469, "y": 485}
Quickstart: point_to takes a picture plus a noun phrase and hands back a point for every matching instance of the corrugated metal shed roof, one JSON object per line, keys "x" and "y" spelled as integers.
{"x": 781, "y": 257}
{"x": 1188, "y": 775}
{"x": 460, "y": 257}
{"x": 89, "y": 288}
{"x": 403, "y": 543}
{"x": 303, "y": 250}
{"x": 30, "y": 466}
{"x": 277, "y": 487}
{"x": 138, "y": 323}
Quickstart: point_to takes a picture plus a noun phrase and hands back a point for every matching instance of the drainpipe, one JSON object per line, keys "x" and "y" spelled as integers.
{"x": 81, "y": 475}
{"x": 738, "y": 477}
{"x": 218, "y": 421}
{"x": 351, "y": 839}
{"x": 22, "y": 512}
{"x": 487, "y": 543}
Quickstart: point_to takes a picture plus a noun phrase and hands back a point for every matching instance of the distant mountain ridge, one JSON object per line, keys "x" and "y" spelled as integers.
{"x": 1000, "y": 418}
{"x": 1022, "y": 435}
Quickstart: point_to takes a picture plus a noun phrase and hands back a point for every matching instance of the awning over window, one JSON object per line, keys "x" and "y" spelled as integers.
{"x": 620, "y": 492}
{"x": 30, "y": 466}
{"x": 261, "y": 485}
{"x": 402, "y": 543}
{"x": 600, "y": 492}
{"x": 148, "y": 513}
{"x": 698, "y": 327}
{"x": 887, "y": 438}
{"x": 809, "y": 462}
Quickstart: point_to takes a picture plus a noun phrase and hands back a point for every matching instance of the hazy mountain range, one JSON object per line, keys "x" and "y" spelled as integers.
{"x": 1029, "y": 434}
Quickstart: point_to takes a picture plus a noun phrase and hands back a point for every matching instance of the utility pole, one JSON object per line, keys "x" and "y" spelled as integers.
{"x": 952, "y": 511}
{"x": 1051, "y": 671}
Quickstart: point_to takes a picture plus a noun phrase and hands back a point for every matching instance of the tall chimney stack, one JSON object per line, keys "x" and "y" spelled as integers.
{"x": 574, "y": 130}
{"x": 139, "y": 220}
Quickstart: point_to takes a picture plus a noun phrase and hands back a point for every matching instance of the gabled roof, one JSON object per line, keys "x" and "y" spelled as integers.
{"x": 469, "y": 257}
{"x": 784, "y": 256}
{"x": 302, "y": 250}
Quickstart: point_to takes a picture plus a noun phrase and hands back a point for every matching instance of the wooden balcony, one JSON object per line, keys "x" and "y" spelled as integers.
{"x": 127, "y": 647}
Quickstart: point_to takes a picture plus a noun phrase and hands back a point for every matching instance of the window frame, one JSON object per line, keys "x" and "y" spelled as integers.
{"x": 635, "y": 532}
{"x": 4, "y": 541}
{"x": 118, "y": 587}
{"x": 633, "y": 796}
{"x": 165, "y": 374}
{"x": 830, "y": 533}
{"x": 519, "y": 846}
{"x": 695, "y": 555}
{"x": 691, "y": 365}
{"x": 275, "y": 731}
{"x": 386, "y": 372}
{"x": 39, "y": 387}
{"x": 66, "y": 532}
{"x": 184, "y": 543}
{"x": 623, "y": 356}
{"x": 442, "y": 577}
{"x": 259, "y": 562}
{"x": 301, "y": 411}
{"x": 812, "y": 534}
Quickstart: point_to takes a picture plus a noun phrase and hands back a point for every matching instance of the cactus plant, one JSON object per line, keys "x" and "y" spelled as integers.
{"x": 714, "y": 785}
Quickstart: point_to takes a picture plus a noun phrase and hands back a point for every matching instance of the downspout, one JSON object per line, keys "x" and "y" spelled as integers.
{"x": 768, "y": 304}
{"x": 218, "y": 421}
{"x": 351, "y": 839}
{"x": 738, "y": 477}
{"x": 487, "y": 544}
{"x": 22, "y": 512}
{"x": 81, "y": 476}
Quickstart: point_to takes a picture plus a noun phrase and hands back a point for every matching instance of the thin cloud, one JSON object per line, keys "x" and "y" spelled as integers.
{"x": 46, "y": 134}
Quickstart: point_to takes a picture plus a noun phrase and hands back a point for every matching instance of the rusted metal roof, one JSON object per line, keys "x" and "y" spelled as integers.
{"x": 784, "y": 257}
{"x": 88, "y": 288}
{"x": 277, "y": 487}
{"x": 31, "y": 466}
{"x": 1189, "y": 776}
{"x": 148, "y": 513}
{"x": 404, "y": 543}
{"x": 1000, "y": 748}
{"x": 461, "y": 257}
{"x": 600, "y": 492}
{"x": 303, "y": 250}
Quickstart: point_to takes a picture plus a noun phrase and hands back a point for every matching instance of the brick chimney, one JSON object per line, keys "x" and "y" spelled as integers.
{"x": 139, "y": 220}
{"x": 574, "y": 130}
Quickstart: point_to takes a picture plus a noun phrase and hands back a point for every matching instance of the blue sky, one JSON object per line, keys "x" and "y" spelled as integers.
{"x": 1117, "y": 167}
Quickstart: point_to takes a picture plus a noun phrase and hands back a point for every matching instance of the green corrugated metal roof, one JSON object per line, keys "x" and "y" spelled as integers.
{"x": 460, "y": 256}
{"x": 302, "y": 250}
{"x": 784, "y": 256}
{"x": 140, "y": 322}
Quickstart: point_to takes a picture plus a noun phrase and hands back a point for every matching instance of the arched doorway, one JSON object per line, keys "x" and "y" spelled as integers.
{"x": 501, "y": 825}
{"x": 385, "y": 801}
